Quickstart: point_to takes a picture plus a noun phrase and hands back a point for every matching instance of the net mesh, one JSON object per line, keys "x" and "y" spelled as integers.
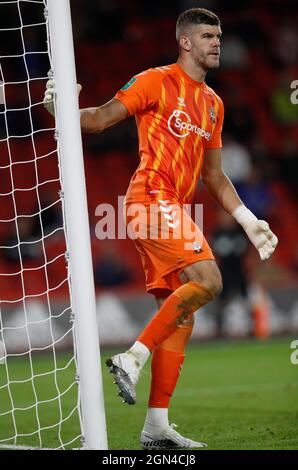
{"x": 39, "y": 397}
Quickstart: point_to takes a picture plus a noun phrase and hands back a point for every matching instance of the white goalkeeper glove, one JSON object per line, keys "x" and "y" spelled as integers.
{"x": 258, "y": 231}
{"x": 50, "y": 96}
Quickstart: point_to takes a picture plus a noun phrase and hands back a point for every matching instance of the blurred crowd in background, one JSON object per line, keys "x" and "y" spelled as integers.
{"x": 259, "y": 52}
{"x": 116, "y": 39}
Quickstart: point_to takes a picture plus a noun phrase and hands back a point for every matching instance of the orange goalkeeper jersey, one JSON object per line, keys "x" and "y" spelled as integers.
{"x": 177, "y": 119}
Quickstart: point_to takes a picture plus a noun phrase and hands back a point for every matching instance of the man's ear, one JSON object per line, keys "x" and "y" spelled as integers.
{"x": 185, "y": 43}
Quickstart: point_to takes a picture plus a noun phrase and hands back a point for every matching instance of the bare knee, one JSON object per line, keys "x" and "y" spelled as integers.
{"x": 213, "y": 285}
{"x": 206, "y": 274}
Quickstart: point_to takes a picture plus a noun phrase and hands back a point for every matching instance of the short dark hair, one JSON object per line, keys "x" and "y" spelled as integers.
{"x": 195, "y": 16}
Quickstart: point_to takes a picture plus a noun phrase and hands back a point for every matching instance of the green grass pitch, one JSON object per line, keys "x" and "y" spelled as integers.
{"x": 232, "y": 395}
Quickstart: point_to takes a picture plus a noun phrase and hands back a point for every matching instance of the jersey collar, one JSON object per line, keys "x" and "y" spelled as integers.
{"x": 187, "y": 77}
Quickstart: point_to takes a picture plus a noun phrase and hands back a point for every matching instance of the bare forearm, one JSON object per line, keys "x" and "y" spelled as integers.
{"x": 95, "y": 119}
{"x": 92, "y": 120}
{"x": 223, "y": 191}
{"x": 98, "y": 119}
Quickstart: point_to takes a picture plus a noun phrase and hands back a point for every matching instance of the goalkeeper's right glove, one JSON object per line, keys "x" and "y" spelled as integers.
{"x": 258, "y": 231}
{"x": 50, "y": 96}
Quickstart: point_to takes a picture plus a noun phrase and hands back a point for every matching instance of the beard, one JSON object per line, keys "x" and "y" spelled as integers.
{"x": 208, "y": 63}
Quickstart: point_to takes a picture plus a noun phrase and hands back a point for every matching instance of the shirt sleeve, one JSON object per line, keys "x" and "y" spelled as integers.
{"x": 141, "y": 92}
{"x": 216, "y": 141}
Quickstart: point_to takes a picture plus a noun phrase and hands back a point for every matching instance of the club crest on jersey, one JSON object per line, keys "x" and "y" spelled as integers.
{"x": 212, "y": 114}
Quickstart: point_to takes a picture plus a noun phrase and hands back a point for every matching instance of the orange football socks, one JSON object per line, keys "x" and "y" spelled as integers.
{"x": 167, "y": 361}
{"x": 182, "y": 303}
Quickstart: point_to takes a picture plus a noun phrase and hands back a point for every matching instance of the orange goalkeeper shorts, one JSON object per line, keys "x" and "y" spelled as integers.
{"x": 167, "y": 239}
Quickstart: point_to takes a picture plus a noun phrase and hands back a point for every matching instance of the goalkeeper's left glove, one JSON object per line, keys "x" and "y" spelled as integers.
{"x": 258, "y": 231}
{"x": 50, "y": 96}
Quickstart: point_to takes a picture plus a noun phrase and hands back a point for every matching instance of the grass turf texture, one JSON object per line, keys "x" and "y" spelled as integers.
{"x": 232, "y": 395}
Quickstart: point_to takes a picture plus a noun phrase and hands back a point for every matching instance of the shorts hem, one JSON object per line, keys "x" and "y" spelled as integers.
{"x": 177, "y": 268}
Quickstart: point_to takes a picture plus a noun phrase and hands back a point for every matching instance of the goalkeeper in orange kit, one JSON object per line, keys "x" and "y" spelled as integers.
{"x": 179, "y": 120}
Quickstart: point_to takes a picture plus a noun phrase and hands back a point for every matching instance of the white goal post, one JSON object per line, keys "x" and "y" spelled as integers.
{"x": 82, "y": 311}
{"x": 76, "y": 214}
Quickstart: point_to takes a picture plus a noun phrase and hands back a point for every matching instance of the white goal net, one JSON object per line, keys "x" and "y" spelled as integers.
{"x": 39, "y": 392}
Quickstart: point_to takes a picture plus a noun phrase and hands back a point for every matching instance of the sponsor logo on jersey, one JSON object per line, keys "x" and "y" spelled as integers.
{"x": 179, "y": 124}
{"x": 128, "y": 84}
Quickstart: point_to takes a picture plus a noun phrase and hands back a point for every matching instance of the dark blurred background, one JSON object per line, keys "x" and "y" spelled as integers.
{"x": 114, "y": 40}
